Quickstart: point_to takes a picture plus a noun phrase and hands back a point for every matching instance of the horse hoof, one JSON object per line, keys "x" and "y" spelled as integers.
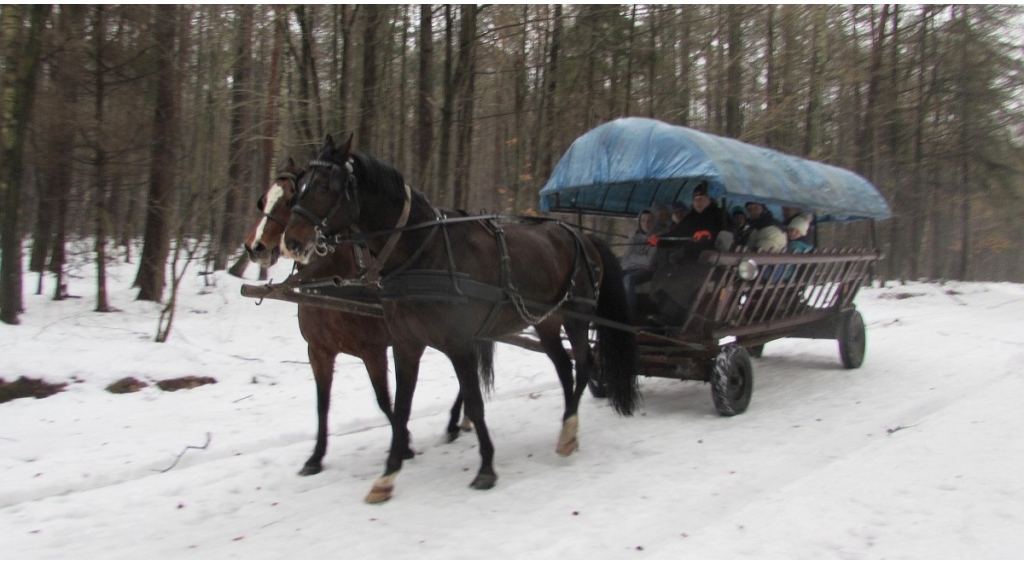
{"x": 382, "y": 489}
{"x": 452, "y": 435}
{"x": 375, "y": 496}
{"x": 567, "y": 443}
{"x": 483, "y": 482}
{"x": 567, "y": 448}
{"x": 310, "y": 469}
{"x": 409, "y": 453}
{"x": 466, "y": 425}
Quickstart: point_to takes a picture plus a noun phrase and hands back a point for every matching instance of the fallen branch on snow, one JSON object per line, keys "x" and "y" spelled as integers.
{"x": 183, "y": 451}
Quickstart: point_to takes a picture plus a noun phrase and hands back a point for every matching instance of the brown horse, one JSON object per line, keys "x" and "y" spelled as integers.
{"x": 328, "y": 332}
{"x": 447, "y": 284}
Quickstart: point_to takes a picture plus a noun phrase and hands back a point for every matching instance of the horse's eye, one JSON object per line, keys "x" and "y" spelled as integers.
{"x": 259, "y": 204}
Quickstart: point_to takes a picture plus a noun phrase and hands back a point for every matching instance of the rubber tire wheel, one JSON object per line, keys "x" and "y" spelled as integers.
{"x": 852, "y": 340}
{"x": 732, "y": 380}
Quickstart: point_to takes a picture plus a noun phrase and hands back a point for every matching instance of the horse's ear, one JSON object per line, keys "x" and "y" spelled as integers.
{"x": 288, "y": 166}
{"x": 328, "y": 146}
{"x": 346, "y": 146}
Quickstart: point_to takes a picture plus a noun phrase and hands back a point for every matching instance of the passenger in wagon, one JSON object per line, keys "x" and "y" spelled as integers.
{"x": 797, "y": 232}
{"x": 637, "y": 261}
{"x": 766, "y": 233}
{"x": 695, "y": 232}
{"x": 678, "y": 272}
{"x": 662, "y": 219}
{"x": 740, "y": 227}
{"x": 792, "y": 214}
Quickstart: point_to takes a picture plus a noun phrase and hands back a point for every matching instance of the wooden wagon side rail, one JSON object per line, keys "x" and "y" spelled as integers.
{"x": 789, "y": 290}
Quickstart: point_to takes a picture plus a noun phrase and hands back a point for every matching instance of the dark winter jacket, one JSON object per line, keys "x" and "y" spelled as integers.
{"x": 698, "y": 232}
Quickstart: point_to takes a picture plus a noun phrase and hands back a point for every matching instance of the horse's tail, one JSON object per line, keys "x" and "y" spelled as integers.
{"x": 616, "y": 348}
{"x": 485, "y": 364}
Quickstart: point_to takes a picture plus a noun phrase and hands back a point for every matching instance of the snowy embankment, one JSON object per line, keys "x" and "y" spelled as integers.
{"x": 918, "y": 454}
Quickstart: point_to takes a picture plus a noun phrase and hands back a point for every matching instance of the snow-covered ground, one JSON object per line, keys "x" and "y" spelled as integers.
{"x": 918, "y": 454}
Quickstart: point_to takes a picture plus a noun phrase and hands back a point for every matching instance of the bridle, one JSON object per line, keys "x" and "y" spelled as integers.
{"x": 342, "y": 194}
{"x": 348, "y": 193}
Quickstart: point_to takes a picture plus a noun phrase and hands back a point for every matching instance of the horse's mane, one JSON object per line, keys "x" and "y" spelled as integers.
{"x": 385, "y": 179}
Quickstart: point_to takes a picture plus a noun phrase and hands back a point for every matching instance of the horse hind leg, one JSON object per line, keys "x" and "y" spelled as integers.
{"x": 456, "y": 427}
{"x": 322, "y": 363}
{"x": 551, "y": 340}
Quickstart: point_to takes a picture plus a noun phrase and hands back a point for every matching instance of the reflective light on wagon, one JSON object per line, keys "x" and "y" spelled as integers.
{"x": 747, "y": 269}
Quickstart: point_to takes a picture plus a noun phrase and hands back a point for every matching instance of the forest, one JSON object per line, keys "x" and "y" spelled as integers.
{"x": 145, "y": 133}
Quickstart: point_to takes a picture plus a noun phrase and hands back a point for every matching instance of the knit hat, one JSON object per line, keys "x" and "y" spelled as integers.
{"x": 800, "y": 224}
{"x": 737, "y": 210}
{"x": 701, "y": 190}
{"x": 678, "y": 206}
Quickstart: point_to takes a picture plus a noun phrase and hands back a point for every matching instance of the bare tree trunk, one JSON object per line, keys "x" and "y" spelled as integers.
{"x": 685, "y": 65}
{"x": 812, "y": 120}
{"x": 447, "y": 111}
{"x": 239, "y": 162}
{"x": 465, "y": 81}
{"x": 368, "y": 120}
{"x": 424, "y": 116}
{"x": 550, "y": 120}
{"x": 734, "y": 72}
{"x": 160, "y": 208}
{"x": 18, "y": 88}
{"x": 100, "y": 156}
{"x": 866, "y": 142}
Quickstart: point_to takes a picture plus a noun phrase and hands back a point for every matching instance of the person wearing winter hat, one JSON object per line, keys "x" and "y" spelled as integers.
{"x": 790, "y": 214}
{"x": 678, "y": 211}
{"x": 740, "y": 226}
{"x": 766, "y": 234}
{"x": 678, "y": 273}
{"x": 797, "y": 233}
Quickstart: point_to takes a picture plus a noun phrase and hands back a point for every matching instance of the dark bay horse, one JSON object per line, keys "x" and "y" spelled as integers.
{"x": 542, "y": 272}
{"x": 328, "y": 332}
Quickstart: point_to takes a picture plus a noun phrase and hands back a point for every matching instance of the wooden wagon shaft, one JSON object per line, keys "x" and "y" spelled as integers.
{"x": 288, "y": 294}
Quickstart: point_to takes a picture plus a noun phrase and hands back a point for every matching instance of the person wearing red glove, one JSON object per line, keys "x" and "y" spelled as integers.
{"x": 678, "y": 274}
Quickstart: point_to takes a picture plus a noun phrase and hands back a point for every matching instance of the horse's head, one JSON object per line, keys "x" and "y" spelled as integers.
{"x": 327, "y": 201}
{"x": 264, "y": 242}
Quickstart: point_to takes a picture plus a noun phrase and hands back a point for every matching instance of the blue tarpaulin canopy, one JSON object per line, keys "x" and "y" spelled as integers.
{"x": 626, "y": 165}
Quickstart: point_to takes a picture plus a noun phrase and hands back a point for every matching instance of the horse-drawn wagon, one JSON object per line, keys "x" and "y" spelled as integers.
{"x": 449, "y": 281}
{"x": 736, "y": 304}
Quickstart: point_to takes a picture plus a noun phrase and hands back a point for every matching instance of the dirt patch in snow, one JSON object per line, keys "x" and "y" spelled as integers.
{"x": 184, "y": 383}
{"x": 25, "y": 387}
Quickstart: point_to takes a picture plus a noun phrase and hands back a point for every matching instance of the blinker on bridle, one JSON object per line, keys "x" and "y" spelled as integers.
{"x": 348, "y": 194}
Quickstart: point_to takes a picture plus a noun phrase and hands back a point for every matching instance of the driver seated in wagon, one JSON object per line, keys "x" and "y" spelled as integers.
{"x": 678, "y": 272}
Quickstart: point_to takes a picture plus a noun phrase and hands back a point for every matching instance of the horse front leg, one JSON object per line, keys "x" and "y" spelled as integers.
{"x": 466, "y": 369}
{"x": 376, "y": 362}
{"x": 322, "y": 362}
{"x": 407, "y": 366}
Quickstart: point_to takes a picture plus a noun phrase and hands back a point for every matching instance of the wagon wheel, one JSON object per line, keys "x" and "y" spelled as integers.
{"x": 732, "y": 380}
{"x": 852, "y": 340}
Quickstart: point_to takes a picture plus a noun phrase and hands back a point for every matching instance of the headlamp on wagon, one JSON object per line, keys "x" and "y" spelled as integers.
{"x": 747, "y": 269}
